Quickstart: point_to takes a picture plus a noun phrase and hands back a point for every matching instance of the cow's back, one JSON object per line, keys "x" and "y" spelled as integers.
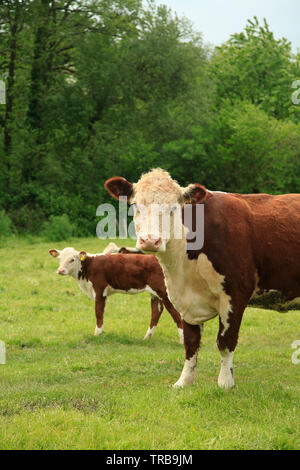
{"x": 254, "y": 240}
{"x": 276, "y": 241}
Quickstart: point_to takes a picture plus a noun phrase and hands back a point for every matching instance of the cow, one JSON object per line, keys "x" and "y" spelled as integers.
{"x": 101, "y": 275}
{"x": 251, "y": 243}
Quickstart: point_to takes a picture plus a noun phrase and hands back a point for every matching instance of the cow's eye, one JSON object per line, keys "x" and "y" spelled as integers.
{"x": 71, "y": 260}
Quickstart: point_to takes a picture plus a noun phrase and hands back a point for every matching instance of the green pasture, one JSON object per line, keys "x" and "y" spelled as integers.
{"x": 63, "y": 388}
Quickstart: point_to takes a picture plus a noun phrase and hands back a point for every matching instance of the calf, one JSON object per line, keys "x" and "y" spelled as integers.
{"x": 102, "y": 275}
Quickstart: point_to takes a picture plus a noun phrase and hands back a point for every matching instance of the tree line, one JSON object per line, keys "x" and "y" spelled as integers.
{"x": 96, "y": 88}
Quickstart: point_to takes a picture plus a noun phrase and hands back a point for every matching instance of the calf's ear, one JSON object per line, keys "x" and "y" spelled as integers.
{"x": 54, "y": 253}
{"x": 82, "y": 255}
{"x": 118, "y": 186}
{"x": 194, "y": 194}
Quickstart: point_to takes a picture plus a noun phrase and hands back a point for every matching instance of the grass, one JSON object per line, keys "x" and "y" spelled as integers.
{"x": 63, "y": 388}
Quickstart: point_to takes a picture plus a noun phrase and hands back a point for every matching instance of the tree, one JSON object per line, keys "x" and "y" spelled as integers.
{"x": 255, "y": 67}
{"x": 12, "y": 16}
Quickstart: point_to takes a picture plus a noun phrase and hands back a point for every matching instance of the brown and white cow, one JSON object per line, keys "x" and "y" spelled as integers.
{"x": 102, "y": 275}
{"x": 251, "y": 242}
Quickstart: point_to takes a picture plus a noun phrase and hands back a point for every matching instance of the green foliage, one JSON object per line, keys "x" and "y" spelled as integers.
{"x": 244, "y": 150}
{"x": 6, "y": 225}
{"x": 97, "y": 89}
{"x": 57, "y": 228}
{"x": 254, "y": 152}
{"x": 255, "y": 67}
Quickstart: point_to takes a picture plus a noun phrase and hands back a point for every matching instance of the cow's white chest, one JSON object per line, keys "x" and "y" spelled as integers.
{"x": 194, "y": 307}
{"x": 196, "y": 290}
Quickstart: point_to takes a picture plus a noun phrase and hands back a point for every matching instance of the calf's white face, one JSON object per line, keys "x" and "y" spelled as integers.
{"x": 69, "y": 261}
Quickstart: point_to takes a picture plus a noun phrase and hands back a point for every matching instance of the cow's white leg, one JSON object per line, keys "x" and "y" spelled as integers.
{"x": 229, "y": 324}
{"x": 180, "y": 333}
{"x": 150, "y": 332}
{"x": 192, "y": 337}
{"x": 98, "y": 331}
{"x": 188, "y": 372}
{"x": 225, "y": 379}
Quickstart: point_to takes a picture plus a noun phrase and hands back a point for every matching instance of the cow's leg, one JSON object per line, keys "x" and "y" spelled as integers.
{"x": 229, "y": 326}
{"x": 99, "y": 311}
{"x": 156, "y": 311}
{"x": 176, "y": 317}
{"x": 192, "y": 336}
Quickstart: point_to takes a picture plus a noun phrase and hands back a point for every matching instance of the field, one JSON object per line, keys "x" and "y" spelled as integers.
{"x": 63, "y": 388}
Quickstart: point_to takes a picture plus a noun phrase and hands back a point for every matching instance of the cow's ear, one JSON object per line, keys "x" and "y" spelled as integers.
{"x": 194, "y": 194}
{"x": 54, "y": 253}
{"x": 111, "y": 248}
{"x": 82, "y": 255}
{"x": 118, "y": 186}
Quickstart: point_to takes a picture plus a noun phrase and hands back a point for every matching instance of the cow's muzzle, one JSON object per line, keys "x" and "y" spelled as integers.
{"x": 61, "y": 271}
{"x": 149, "y": 243}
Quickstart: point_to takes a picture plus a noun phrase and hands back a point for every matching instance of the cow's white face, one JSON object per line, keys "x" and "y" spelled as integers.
{"x": 69, "y": 261}
{"x": 156, "y": 224}
{"x": 157, "y": 201}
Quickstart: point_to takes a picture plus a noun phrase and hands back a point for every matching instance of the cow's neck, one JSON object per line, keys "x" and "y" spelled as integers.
{"x": 174, "y": 260}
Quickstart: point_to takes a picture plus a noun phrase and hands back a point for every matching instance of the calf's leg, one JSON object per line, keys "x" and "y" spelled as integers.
{"x": 99, "y": 311}
{"x": 156, "y": 311}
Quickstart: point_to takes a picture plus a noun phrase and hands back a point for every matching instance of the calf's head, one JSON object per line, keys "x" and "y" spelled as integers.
{"x": 69, "y": 261}
{"x": 157, "y": 201}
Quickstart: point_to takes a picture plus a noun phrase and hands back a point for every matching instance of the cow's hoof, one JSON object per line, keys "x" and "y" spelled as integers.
{"x": 183, "y": 383}
{"x": 226, "y": 382}
{"x": 149, "y": 333}
{"x": 178, "y": 384}
{"x": 98, "y": 331}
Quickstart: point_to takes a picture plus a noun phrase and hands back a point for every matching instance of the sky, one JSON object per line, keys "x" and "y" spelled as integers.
{"x": 218, "y": 19}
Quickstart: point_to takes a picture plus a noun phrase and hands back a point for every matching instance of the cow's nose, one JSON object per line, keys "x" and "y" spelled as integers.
{"x": 149, "y": 243}
{"x": 61, "y": 271}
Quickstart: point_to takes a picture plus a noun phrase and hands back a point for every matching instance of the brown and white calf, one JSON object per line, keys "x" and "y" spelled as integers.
{"x": 102, "y": 275}
{"x": 251, "y": 243}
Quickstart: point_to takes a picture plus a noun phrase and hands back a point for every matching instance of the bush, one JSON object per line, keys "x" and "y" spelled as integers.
{"x": 57, "y": 228}
{"x": 28, "y": 219}
{"x": 6, "y": 226}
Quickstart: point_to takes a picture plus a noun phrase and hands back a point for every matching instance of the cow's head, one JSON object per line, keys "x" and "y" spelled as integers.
{"x": 69, "y": 261}
{"x": 156, "y": 198}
